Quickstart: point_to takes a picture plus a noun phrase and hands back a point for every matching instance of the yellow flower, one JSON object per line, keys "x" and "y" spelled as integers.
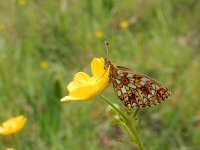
{"x": 44, "y": 65}
{"x": 2, "y": 26}
{"x": 99, "y": 34}
{"x": 12, "y": 125}
{"x": 84, "y": 87}
{"x": 10, "y": 149}
{"x": 124, "y": 24}
{"x": 22, "y": 2}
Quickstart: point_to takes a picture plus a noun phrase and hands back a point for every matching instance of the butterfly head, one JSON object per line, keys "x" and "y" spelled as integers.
{"x": 107, "y": 63}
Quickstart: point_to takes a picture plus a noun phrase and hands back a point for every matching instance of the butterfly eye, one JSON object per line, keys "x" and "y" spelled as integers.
{"x": 106, "y": 66}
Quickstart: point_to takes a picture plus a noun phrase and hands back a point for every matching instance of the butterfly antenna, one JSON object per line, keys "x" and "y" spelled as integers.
{"x": 107, "y": 45}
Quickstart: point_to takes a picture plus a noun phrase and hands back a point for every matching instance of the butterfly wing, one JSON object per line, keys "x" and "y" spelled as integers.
{"x": 137, "y": 90}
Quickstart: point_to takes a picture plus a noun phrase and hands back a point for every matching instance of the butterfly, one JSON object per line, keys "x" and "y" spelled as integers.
{"x": 135, "y": 89}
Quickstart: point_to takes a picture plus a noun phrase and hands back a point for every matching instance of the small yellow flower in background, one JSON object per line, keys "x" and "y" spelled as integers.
{"x": 124, "y": 24}
{"x": 10, "y": 149}
{"x": 99, "y": 34}
{"x": 12, "y": 125}
{"x": 84, "y": 87}
{"x": 2, "y": 26}
{"x": 44, "y": 65}
{"x": 22, "y": 2}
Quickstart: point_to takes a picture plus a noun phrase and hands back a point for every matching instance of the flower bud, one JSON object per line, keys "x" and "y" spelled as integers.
{"x": 116, "y": 120}
{"x": 110, "y": 111}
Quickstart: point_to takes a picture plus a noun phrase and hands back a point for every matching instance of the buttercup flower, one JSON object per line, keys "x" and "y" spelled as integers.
{"x": 44, "y": 64}
{"x": 84, "y": 87}
{"x": 99, "y": 34}
{"x": 2, "y": 26}
{"x": 22, "y": 2}
{"x": 124, "y": 24}
{"x": 12, "y": 125}
{"x": 10, "y": 149}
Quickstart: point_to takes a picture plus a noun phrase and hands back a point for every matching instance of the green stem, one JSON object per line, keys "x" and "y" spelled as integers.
{"x": 129, "y": 125}
{"x": 135, "y": 113}
{"x": 16, "y": 141}
{"x": 111, "y": 104}
{"x": 126, "y": 128}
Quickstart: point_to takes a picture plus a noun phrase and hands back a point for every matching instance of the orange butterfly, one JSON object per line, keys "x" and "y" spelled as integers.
{"x": 135, "y": 89}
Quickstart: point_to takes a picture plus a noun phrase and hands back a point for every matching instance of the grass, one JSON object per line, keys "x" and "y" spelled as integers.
{"x": 162, "y": 40}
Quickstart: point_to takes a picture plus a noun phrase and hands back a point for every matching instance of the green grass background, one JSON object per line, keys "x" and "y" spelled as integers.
{"x": 162, "y": 41}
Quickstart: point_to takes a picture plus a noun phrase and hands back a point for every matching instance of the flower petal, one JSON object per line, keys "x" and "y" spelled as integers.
{"x": 97, "y": 67}
{"x": 80, "y": 78}
{"x": 69, "y": 98}
{"x": 103, "y": 81}
{"x": 12, "y": 125}
{"x": 81, "y": 93}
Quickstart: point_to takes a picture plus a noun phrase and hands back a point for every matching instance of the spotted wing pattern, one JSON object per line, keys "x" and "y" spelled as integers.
{"x": 135, "y": 89}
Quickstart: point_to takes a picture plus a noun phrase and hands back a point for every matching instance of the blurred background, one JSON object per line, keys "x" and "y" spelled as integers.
{"x": 43, "y": 43}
